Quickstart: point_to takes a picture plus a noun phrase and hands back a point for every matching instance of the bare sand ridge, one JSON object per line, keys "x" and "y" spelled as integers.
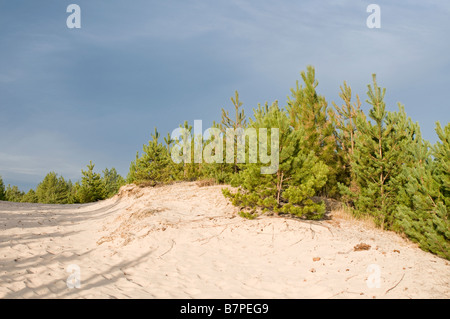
{"x": 186, "y": 241}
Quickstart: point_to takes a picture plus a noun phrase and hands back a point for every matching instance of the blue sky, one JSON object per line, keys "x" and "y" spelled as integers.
{"x": 68, "y": 96}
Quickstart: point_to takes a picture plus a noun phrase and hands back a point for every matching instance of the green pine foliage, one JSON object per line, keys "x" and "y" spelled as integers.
{"x": 308, "y": 111}
{"x": 344, "y": 119}
{"x": 376, "y": 163}
{"x": 91, "y": 188}
{"x": 30, "y": 197}
{"x": 188, "y": 169}
{"x": 13, "y": 194}
{"x": 169, "y": 141}
{"x": 154, "y": 165}
{"x": 378, "y": 158}
{"x": 223, "y": 172}
{"x": 112, "y": 182}
{"x": 239, "y": 122}
{"x": 441, "y": 152}
{"x": 424, "y": 214}
{"x": 297, "y": 178}
{"x": 131, "y": 177}
{"x": 52, "y": 190}
{"x": 2, "y": 190}
{"x": 191, "y": 170}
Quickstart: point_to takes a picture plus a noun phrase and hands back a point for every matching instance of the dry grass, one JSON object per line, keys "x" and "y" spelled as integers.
{"x": 206, "y": 182}
{"x": 130, "y": 226}
{"x": 344, "y": 214}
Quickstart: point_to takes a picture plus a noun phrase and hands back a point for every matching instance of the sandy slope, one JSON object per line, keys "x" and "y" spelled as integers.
{"x": 185, "y": 241}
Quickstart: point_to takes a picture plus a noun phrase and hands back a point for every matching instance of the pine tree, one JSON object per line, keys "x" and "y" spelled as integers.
{"x": 239, "y": 122}
{"x": 112, "y": 182}
{"x": 188, "y": 148}
{"x": 309, "y": 111}
{"x": 423, "y": 213}
{"x": 75, "y": 193}
{"x": 299, "y": 173}
{"x": 441, "y": 152}
{"x": 379, "y": 156}
{"x": 131, "y": 177}
{"x": 53, "y": 190}
{"x": 222, "y": 172}
{"x": 344, "y": 119}
{"x": 155, "y": 164}
{"x": 192, "y": 169}
{"x": 13, "y": 194}
{"x": 30, "y": 197}
{"x": 91, "y": 188}
{"x": 169, "y": 141}
{"x": 2, "y": 189}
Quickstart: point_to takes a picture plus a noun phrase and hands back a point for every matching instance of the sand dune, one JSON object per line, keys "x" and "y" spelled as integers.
{"x": 186, "y": 241}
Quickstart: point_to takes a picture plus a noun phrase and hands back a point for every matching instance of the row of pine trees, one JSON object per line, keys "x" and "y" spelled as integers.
{"x": 55, "y": 189}
{"x": 377, "y": 163}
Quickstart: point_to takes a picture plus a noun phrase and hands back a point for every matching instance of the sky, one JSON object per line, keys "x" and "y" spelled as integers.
{"x": 72, "y": 95}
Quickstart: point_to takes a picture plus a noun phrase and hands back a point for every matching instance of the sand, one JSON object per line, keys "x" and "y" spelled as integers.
{"x": 186, "y": 241}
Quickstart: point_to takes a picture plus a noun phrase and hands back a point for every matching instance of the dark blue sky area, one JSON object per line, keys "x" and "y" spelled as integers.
{"x": 68, "y": 96}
